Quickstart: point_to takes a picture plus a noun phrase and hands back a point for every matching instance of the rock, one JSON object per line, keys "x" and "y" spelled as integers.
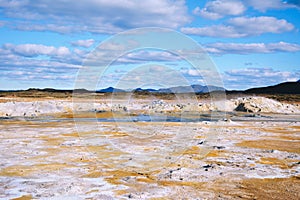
{"x": 262, "y": 104}
{"x": 218, "y": 147}
{"x": 207, "y": 166}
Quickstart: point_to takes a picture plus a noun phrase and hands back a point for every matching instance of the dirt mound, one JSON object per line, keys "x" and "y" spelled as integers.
{"x": 262, "y": 104}
{"x": 48, "y": 107}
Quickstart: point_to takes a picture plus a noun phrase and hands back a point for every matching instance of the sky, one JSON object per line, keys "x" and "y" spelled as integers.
{"x": 44, "y": 44}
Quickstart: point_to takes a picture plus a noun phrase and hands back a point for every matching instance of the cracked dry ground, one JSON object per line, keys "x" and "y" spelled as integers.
{"x": 43, "y": 159}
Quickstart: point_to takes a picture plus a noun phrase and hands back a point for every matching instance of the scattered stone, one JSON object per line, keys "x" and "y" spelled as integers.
{"x": 218, "y": 147}
{"x": 207, "y": 166}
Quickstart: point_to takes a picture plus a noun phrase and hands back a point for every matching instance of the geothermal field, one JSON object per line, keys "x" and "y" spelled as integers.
{"x": 246, "y": 147}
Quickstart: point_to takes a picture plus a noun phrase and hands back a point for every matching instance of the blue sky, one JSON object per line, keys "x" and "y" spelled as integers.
{"x": 252, "y": 42}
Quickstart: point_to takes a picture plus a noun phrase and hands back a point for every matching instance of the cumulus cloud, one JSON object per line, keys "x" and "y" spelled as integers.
{"x": 33, "y": 26}
{"x": 213, "y": 31}
{"x": 23, "y": 62}
{"x": 28, "y": 64}
{"x": 193, "y": 72}
{"x": 35, "y": 73}
{"x": 220, "y": 8}
{"x": 151, "y": 56}
{"x": 83, "y": 43}
{"x": 216, "y": 9}
{"x": 32, "y": 50}
{"x": 39, "y": 74}
{"x": 254, "y": 77}
{"x": 242, "y": 27}
{"x": 248, "y": 48}
{"x": 271, "y": 4}
{"x": 259, "y": 25}
{"x": 103, "y": 16}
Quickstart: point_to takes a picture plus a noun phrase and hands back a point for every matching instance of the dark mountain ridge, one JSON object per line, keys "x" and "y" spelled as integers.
{"x": 281, "y": 88}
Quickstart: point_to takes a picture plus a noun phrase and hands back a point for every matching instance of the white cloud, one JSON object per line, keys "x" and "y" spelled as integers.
{"x": 32, "y": 26}
{"x": 83, "y": 43}
{"x": 255, "y": 77}
{"x": 32, "y": 50}
{"x": 268, "y": 4}
{"x": 36, "y": 62}
{"x": 193, "y": 72}
{"x": 152, "y": 56}
{"x": 31, "y": 63}
{"x": 247, "y": 48}
{"x": 242, "y": 27}
{"x": 283, "y": 46}
{"x": 259, "y": 25}
{"x": 10, "y": 4}
{"x": 219, "y": 8}
{"x": 216, "y": 9}
{"x": 35, "y": 71}
{"x": 103, "y": 16}
{"x": 213, "y": 31}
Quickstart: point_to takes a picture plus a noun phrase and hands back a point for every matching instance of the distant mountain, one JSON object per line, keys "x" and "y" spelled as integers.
{"x": 165, "y": 90}
{"x": 144, "y": 90}
{"x": 82, "y": 91}
{"x": 52, "y": 90}
{"x": 181, "y": 89}
{"x": 110, "y": 90}
{"x": 282, "y": 88}
{"x": 191, "y": 89}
